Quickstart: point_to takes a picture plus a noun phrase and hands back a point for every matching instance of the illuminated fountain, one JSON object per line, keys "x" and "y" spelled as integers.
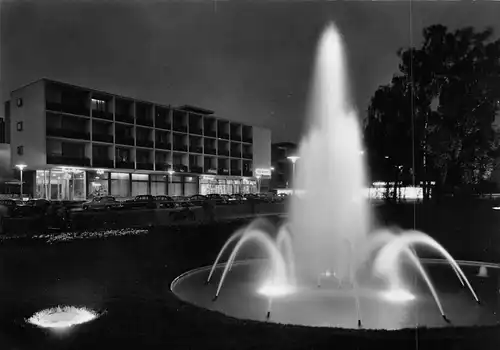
{"x": 326, "y": 266}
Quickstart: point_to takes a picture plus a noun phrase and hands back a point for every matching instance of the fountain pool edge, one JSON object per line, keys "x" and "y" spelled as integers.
{"x": 247, "y": 262}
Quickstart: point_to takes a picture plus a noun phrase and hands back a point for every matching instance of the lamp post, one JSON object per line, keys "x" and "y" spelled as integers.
{"x": 21, "y": 168}
{"x": 171, "y": 174}
{"x": 293, "y": 159}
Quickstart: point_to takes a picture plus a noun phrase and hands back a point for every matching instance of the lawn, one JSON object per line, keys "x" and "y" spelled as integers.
{"x": 129, "y": 277}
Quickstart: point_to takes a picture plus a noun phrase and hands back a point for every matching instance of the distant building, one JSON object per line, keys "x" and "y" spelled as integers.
{"x": 78, "y": 142}
{"x": 282, "y": 166}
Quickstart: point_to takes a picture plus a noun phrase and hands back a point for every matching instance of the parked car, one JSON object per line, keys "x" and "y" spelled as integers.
{"x": 165, "y": 202}
{"x": 181, "y": 201}
{"x": 142, "y": 201}
{"x": 32, "y": 207}
{"x": 10, "y": 205}
{"x": 101, "y": 203}
{"x": 198, "y": 199}
{"x": 218, "y": 199}
{"x": 253, "y": 197}
{"x": 237, "y": 198}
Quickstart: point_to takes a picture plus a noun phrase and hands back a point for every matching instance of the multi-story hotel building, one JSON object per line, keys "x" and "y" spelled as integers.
{"x": 76, "y": 142}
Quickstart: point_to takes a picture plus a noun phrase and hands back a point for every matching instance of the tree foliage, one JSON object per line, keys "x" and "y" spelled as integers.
{"x": 445, "y": 99}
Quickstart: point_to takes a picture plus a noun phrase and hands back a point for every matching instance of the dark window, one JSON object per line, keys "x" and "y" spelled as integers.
{"x": 20, "y": 150}
{"x": 19, "y": 102}
{"x": 19, "y": 126}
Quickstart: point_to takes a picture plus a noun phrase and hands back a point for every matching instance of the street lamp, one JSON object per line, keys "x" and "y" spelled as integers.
{"x": 258, "y": 183}
{"x": 293, "y": 159}
{"x": 21, "y": 168}
{"x": 171, "y": 174}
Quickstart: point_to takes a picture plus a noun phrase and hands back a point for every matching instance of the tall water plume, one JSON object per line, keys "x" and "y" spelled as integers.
{"x": 330, "y": 217}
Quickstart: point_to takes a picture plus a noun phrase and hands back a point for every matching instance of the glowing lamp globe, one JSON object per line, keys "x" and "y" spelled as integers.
{"x": 398, "y": 296}
{"x": 275, "y": 290}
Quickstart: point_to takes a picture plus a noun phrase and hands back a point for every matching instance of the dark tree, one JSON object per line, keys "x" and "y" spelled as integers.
{"x": 445, "y": 100}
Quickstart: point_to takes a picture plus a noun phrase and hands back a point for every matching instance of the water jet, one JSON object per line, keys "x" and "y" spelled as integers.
{"x": 324, "y": 240}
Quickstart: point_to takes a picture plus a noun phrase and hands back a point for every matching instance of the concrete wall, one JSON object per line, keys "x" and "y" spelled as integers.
{"x": 261, "y": 148}
{"x": 6, "y": 171}
{"x": 32, "y": 137}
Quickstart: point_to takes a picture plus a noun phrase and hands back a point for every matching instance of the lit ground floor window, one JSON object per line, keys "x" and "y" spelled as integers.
{"x": 220, "y": 185}
{"x": 61, "y": 184}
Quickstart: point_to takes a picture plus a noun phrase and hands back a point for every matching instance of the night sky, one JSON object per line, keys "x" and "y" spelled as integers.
{"x": 247, "y": 61}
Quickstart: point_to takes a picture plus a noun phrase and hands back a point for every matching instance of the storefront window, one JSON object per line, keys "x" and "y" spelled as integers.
{"x": 98, "y": 183}
{"x": 120, "y": 183}
{"x": 175, "y": 185}
{"x": 158, "y": 185}
{"x": 211, "y": 184}
{"x": 140, "y": 184}
{"x": 61, "y": 184}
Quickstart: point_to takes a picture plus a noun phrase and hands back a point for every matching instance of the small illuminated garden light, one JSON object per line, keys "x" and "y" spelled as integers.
{"x": 62, "y": 317}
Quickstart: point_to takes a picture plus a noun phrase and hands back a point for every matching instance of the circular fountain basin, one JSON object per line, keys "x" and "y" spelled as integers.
{"x": 332, "y": 305}
{"x": 62, "y": 317}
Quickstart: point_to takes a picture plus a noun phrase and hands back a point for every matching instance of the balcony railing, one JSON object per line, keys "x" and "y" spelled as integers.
{"x": 124, "y": 140}
{"x": 247, "y": 173}
{"x": 162, "y": 166}
{"x": 247, "y": 155}
{"x": 223, "y": 135}
{"x": 66, "y": 108}
{"x": 102, "y": 115}
{"x": 163, "y": 145}
{"x": 210, "y": 133}
{"x": 124, "y": 118}
{"x": 180, "y": 128}
{"x": 144, "y": 143}
{"x": 125, "y": 164}
{"x": 196, "y": 169}
{"x": 223, "y": 152}
{"x": 180, "y": 168}
{"x": 70, "y": 134}
{"x": 144, "y": 121}
{"x": 144, "y": 165}
{"x": 102, "y": 162}
{"x": 162, "y": 125}
{"x": 236, "y": 137}
{"x": 182, "y": 148}
{"x": 64, "y": 160}
{"x": 102, "y": 137}
{"x": 209, "y": 170}
{"x": 236, "y": 172}
{"x": 196, "y": 149}
{"x": 235, "y": 154}
{"x": 210, "y": 150}
{"x": 195, "y": 130}
{"x": 247, "y": 139}
{"x": 223, "y": 171}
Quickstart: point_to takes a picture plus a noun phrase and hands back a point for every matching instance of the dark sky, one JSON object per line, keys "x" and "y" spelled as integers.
{"x": 247, "y": 61}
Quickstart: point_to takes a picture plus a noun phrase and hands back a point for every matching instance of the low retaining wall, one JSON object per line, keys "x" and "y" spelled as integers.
{"x": 144, "y": 217}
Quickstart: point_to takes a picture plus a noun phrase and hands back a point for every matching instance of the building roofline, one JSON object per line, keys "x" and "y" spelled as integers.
{"x": 285, "y": 144}
{"x": 206, "y": 111}
{"x": 195, "y": 109}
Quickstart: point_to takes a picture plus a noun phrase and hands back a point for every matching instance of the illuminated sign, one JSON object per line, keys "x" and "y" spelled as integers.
{"x": 262, "y": 172}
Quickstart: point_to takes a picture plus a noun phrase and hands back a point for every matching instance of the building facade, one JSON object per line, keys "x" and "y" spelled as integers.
{"x": 77, "y": 142}
{"x": 282, "y": 166}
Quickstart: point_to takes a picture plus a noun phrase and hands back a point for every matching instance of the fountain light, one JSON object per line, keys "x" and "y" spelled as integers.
{"x": 62, "y": 317}
{"x": 276, "y": 290}
{"x": 398, "y": 295}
